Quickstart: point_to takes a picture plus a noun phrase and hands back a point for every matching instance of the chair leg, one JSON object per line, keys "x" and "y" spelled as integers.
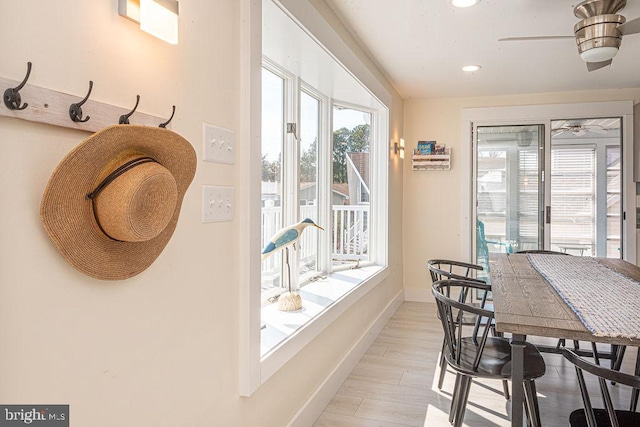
{"x": 443, "y": 368}
{"x": 454, "y": 398}
{"x": 465, "y": 385}
{"x": 634, "y": 394}
{"x": 618, "y": 350}
{"x": 527, "y": 406}
{"x": 505, "y": 387}
{"x": 527, "y": 413}
{"x": 531, "y": 400}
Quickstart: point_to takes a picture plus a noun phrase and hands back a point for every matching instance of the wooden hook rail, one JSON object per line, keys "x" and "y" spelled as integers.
{"x": 52, "y": 107}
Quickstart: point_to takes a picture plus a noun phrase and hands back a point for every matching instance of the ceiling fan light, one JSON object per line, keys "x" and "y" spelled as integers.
{"x": 599, "y": 54}
{"x": 464, "y": 3}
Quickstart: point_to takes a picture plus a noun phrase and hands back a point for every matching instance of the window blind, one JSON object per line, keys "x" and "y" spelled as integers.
{"x": 573, "y": 195}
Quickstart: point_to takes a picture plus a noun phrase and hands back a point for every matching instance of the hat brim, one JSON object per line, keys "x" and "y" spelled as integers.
{"x": 67, "y": 214}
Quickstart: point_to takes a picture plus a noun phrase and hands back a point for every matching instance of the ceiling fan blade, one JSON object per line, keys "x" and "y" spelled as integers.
{"x": 592, "y": 66}
{"x": 518, "y": 39}
{"x": 599, "y": 131}
{"x": 630, "y": 27}
{"x": 596, "y": 129}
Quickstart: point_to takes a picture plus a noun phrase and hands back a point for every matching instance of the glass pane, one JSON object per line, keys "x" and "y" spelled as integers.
{"x": 573, "y": 199}
{"x": 528, "y": 199}
{"x": 508, "y": 190}
{"x": 614, "y": 207}
{"x": 350, "y": 189}
{"x": 272, "y": 141}
{"x": 613, "y": 249}
{"x": 308, "y": 188}
{"x": 585, "y": 187}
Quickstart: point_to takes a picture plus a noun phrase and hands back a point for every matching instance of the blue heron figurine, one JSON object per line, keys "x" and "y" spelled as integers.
{"x": 287, "y": 236}
{"x": 283, "y": 239}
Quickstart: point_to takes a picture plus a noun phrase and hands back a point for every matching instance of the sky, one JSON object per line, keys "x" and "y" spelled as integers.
{"x": 272, "y": 116}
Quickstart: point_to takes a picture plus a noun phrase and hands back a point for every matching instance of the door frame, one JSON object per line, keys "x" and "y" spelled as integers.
{"x": 544, "y": 114}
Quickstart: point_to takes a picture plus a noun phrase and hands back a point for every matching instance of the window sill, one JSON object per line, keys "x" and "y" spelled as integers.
{"x": 283, "y": 334}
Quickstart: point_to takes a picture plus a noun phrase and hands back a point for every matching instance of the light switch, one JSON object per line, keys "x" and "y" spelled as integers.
{"x": 218, "y": 144}
{"x": 217, "y": 203}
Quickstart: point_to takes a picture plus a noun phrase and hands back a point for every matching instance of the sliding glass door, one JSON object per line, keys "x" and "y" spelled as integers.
{"x": 509, "y": 191}
{"x": 563, "y": 196}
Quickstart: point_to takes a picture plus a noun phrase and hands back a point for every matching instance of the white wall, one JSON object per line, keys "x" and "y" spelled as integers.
{"x": 432, "y": 214}
{"x": 160, "y": 349}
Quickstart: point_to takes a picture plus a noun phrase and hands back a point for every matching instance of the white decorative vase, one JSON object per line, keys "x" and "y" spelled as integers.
{"x": 289, "y": 301}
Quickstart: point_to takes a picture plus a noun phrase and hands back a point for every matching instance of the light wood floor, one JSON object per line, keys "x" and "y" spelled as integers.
{"x": 395, "y": 383}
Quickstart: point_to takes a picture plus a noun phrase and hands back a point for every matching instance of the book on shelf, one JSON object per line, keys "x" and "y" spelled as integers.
{"x": 426, "y": 147}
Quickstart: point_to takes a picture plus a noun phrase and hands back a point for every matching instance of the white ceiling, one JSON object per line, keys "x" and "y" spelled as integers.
{"x": 422, "y": 44}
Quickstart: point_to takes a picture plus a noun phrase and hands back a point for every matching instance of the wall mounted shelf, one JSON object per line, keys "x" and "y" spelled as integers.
{"x": 432, "y": 162}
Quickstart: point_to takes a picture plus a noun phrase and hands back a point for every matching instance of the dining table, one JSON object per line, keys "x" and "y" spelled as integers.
{"x": 562, "y": 296}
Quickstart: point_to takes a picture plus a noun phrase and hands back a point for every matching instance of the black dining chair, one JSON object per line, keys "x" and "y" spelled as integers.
{"x": 607, "y": 416}
{"x": 617, "y": 365}
{"x": 449, "y": 269}
{"x": 440, "y": 269}
{"x": 473, "y": 353}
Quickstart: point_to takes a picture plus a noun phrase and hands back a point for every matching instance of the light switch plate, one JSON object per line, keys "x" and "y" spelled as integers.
{"x": 218, "y": 144}
{"x": 217, "y": 203}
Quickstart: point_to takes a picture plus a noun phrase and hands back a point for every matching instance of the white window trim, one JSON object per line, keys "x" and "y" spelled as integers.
{"x": 323, "y": 168}
{"x": 254, "y": 371}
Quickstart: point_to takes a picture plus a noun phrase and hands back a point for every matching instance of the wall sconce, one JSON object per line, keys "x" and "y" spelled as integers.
{"x": 399, "y": 148}
{"x": 156, "y": 17}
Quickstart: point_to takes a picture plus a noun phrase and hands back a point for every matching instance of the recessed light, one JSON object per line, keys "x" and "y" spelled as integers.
{"x": 471, "y": 68}
{"x": 464, "y": 3}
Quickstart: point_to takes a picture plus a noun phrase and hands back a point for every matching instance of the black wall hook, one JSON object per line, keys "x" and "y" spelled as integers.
{"x": 12, "y": 95}
{"x": 75, "y": 110}
{"x": 164, "y": 125}
{"x": 124, "y": 119}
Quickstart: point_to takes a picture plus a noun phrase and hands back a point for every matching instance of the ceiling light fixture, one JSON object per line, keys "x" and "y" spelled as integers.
{"x": 598, "y": 36}
{"x": 599, "y": 54}
{"x": 471, "y": 68}
{"x": 464, "y": 3}
{"x": 156, "y": 17}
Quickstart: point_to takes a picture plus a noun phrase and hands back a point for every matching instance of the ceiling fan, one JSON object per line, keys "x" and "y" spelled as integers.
{"x": 579, "y": 130}
{"x": 599, "y": 33}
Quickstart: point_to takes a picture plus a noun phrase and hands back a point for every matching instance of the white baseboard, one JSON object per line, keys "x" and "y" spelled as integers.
{"x": 418, "y": 295}
{"x": 311, "y": 410}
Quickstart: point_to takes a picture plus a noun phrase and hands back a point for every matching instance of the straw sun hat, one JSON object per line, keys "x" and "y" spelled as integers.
{"x": 112, "y": 204}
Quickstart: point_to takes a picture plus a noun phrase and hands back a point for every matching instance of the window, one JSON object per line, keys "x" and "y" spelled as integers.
{"x": 293, "y": 148}
{"x": 272, "y": 142}
{"x": 304, "y": 90}
{"x": 573, "y": 196}
{"x": 351, "y": 185}
{"x": 308, "y": 182}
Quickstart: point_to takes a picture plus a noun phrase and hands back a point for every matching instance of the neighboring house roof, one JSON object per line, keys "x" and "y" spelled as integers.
{"x": 341, "y": 189}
